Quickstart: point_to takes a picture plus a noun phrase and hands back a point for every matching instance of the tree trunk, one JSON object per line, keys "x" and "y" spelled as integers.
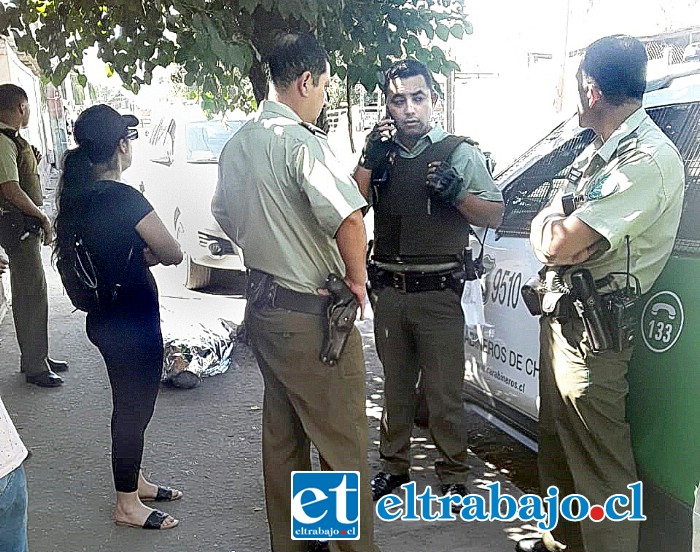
{"x": 259, "y": 81}
{"x": 348, "y": 100}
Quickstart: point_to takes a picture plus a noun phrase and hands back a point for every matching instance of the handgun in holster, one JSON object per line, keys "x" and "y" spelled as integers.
{"x": 471, "y": 267}
{"x": 590, "y": 308}
{"x": 18, "y": 225}
{"x": 469, "y": 270}
{"x": 340, "y": 319}
{"x": 32, "y": 225}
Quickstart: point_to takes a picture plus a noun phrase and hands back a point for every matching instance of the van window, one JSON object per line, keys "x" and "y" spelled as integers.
{"x": 528, "y": 193}
{"x": 539, "y": 174}
{"x": 206, "y": 139}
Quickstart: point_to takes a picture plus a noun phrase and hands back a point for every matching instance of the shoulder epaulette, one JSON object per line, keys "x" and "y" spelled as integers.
{"x": 628, "y": 143}
{"x": 469, "y": 141}
{"x": 313, "y": 129}
{"x": 14, "y": 136}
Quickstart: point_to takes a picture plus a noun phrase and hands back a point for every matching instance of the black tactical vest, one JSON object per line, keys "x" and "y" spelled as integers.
{"x": 405, "y": 228}
{"x": 27, "y": 168}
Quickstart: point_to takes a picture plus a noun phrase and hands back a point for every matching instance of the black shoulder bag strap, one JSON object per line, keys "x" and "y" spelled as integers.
{"x": 114, "y": 286}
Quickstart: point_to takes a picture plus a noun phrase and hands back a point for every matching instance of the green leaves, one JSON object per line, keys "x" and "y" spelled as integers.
{"x": 457, "y": 31}
{"x": 220, "y": 44}
{"x": 442, "y": 32}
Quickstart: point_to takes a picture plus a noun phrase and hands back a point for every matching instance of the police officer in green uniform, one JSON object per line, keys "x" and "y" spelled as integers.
{"x": 285, "y": 200}
{"x": 21, "y": 225}
{"x": 626, "y": 205}
{"x": 427, "y": 187}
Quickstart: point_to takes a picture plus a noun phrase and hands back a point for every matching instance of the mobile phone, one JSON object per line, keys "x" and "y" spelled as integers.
{"x": 387, "y": 115}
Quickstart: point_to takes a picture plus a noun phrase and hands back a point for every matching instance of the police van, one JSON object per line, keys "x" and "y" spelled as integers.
{"x": 502, "y": 364}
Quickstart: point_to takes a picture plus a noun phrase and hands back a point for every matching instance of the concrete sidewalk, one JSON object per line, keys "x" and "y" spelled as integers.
{"x": 205, "y": 441}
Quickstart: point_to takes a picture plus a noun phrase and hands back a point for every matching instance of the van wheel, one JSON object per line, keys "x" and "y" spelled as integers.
{"x": 198, "y": 276}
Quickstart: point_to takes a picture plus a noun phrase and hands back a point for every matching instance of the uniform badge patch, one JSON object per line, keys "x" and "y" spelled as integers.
{"x": 601, "y": 188}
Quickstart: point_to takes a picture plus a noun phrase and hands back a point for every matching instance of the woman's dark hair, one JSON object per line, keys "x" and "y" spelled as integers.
{"x": 618, "y": 65}
{"x": 406, "y": 68}
{"x": 292, "y": 54}
{"x": 74, "y": 188}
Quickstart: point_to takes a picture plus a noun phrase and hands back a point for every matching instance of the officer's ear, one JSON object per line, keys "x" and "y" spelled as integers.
{"x": 595, "y": 95}
{"x": 304, "y": 83}
{"x": 433, "y": 97}
{"x": 591, "y": 90}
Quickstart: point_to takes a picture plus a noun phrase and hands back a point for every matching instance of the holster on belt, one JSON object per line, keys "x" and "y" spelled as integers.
{"x": 469, "y": 271}
{"x": 258, "y": 288}
{"x": 590, "y": 308}
{"x": 340, "y": 319}
{"x": 547, "y": 295}
{"x": 16, "y": 226}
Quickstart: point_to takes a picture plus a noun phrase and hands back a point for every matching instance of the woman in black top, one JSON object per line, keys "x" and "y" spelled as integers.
{"x": 124, "y": 237}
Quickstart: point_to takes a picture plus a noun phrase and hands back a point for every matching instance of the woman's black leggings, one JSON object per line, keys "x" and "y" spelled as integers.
{"x": 132, "y": 348}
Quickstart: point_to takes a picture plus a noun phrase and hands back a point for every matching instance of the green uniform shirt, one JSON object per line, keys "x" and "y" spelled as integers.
{"x": 467, "y": 160}
{"x": 281, "y": 197}
{"x": 633, "y": 185}
{"x": 21, "y": 167}
{"x": 8, "y": 157}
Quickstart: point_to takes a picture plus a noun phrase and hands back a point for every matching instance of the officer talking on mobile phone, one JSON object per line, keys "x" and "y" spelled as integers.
{"x": 427, "y": 188}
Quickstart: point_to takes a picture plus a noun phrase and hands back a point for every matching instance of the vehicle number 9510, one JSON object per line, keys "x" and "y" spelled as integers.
{"x": 503, "y": 287}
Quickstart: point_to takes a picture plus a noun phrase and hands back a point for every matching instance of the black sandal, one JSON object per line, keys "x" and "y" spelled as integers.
{"x": 164, "y": 494}
{"x": 155, "y": 520}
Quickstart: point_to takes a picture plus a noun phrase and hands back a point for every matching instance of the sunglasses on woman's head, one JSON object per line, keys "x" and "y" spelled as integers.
{"x": 131, "y": 133}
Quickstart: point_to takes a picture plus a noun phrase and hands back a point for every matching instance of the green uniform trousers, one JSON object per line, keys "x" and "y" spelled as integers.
{"x": 30, "y": 308}
{"x": 414, "y": 332}
{"x": 584, "y": 439}
{"x": 307, "y": 402}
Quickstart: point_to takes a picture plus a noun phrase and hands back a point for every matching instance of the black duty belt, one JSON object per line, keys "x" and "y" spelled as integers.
{"x": 412, "y": 282}
{"x": 263, "y": 291}
{"x": 283, "y": 298}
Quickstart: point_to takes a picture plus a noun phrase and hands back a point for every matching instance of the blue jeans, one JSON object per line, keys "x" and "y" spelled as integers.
{"x": 13, "y": 512}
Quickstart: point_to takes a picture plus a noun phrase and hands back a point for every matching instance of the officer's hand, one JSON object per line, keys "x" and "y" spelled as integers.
{"x": 443, "y": 181}
{"x": 37, "y": 154}
{"x": 360, "y": 293}
{"x": 48, "y": 231}
{"x": 377, "y": 144}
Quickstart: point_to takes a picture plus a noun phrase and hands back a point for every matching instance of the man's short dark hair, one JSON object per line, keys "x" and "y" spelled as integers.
{"x": 618, "y": 65}
{"x": 11, "y": 96}
{"x": 292, "y": 54}
{"x": 404, "y": 69}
